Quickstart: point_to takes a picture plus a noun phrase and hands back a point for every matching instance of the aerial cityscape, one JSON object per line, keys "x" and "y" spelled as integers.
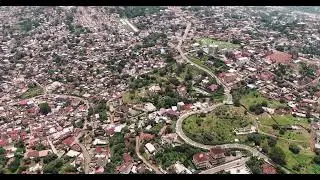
{"x": 159, "y": 90}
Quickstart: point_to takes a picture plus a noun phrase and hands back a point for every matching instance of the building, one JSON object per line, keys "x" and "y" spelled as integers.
{"x": 279, "y": 58}
{"x": 151, "y": 149}
{"x": 268, "y": 169}
{"x": 216, "y": 156}
{"x": 201, "y": 160}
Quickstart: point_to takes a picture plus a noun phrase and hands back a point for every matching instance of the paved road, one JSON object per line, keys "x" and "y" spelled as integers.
{"x": 179, "y": 129}
{"x": 227, "y": 90}
{"x": 226, "y": 166}
{"x": 54, "y": 150}
{"x": 86, "y": 157}
{"x": 143, "y": 159}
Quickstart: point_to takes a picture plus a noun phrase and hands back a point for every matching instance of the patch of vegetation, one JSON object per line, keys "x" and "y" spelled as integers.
{"x": 33, "y": 90}
{"x": 28, "y": 24}
{"x": 254, "y": 98}
{"x": 117, "y": 149}
{"x": 44, "y": 108}
{"x": 135, "y": 11}
{"x": 217, "y": 127}
{"x": 254, "y": 164}
{"x": 170, "y": 155}
{"x": 220, "y": 44}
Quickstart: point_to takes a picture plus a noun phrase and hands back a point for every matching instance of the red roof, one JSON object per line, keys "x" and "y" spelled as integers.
{"x": 127, "y": 157}
{"x": 171, "y": 112}
{"x": 146, "y": 136}
{"x": 217, "y": 150}
{"x": 76, "y": 147}
{"x": 268, "y": 169}
{"x": 110, "y": 131}
{"x": 23, "y": 102}
{"x": 3, "y": 142}
{"x": 187, "y": 107}
{"x": 99, "y": 149}
{"x": 266, "y": 76}
{"x": 280, "y": 57}
{"x": 200, "y": 157}
{"x": 68, "y": 141}
{"x": 317, "y": 93}
{"x": 33, "y": 154}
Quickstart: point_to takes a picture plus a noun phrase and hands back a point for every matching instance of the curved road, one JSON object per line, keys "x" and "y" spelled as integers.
{"x": 179, "y": 129}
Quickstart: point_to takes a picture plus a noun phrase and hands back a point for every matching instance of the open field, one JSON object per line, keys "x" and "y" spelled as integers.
{"x": 220, "y": 44}
{"x": 217, "y": 127}
{"x": 303, "y": 159}
{"x": 31, "y": 92}
{"x": 255, "y": 97}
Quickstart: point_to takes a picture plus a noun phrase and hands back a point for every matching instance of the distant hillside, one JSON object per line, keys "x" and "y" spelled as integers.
{"x": 306, "y": 9}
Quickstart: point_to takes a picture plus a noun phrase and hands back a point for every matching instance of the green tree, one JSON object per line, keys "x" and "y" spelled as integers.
{"x": 44, "y": 108}
{"x": 255, "y": 165}
{"x": 278, "y": 156}
{"x": 272, "y": 141}
{"x": 294, "y": 148}
{"x": 49, "y": 158}
{"x": 316, "y": 159}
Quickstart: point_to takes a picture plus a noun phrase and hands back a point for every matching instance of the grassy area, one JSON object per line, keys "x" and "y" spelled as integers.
{"x": 217, "y": 127}
{"x": 283, "y": 120}
{"x": 304, "y": 159}
{"x": 131, "y": 98}
{"x": 220, "y": 44}
{"x": 31, "y": 92}
{"x": 254, "y": 97}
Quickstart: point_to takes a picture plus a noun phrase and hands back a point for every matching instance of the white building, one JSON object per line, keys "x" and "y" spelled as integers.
{"x": 151, "y": 149}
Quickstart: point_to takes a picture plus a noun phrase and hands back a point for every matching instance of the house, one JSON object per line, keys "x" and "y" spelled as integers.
{"x": 99, "y": 170}
{"x": 268, "y": 169}
{"x": 127, "y": 158}
{"x": 44, "y": 153}
{"x": 265, "y": 76}
{"x": 68, "y": 141}
{"x": 279, "y": 58}
{"x": 3, "y": 143}
{"x": 124, "y": 168}
{"x": 201, "y": 160}
{"x": 73, "y": 153}
{"x": 216, "y": 155}
{"x": 149, "y": 107}
{"x": 154, "y": 88}
{"x": 99, "y": 142}
{"x": 151, "y": 149}
{"x": 146, "y": 136}
{"x": 170, "y": 138}
{"x": 171, "y": 113}
{"x": 32, "y": 154}
{"x": 179, "y": 168}
{"x": 213, "y": 87}
{"x": 180, "y": 105}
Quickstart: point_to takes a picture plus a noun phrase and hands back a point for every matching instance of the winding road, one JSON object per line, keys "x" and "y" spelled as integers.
{"x": 179, "y": 129}
{"x": 228, "y": 101}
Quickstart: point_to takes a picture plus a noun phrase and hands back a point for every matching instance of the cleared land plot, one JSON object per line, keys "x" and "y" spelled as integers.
{"x": 31, "y": 92}
{"x": 254, "y": 97}
{"x": 220, "y": 44}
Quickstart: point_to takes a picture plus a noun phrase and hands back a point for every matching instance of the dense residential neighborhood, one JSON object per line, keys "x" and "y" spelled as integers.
{"x": 159, "y": 90}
